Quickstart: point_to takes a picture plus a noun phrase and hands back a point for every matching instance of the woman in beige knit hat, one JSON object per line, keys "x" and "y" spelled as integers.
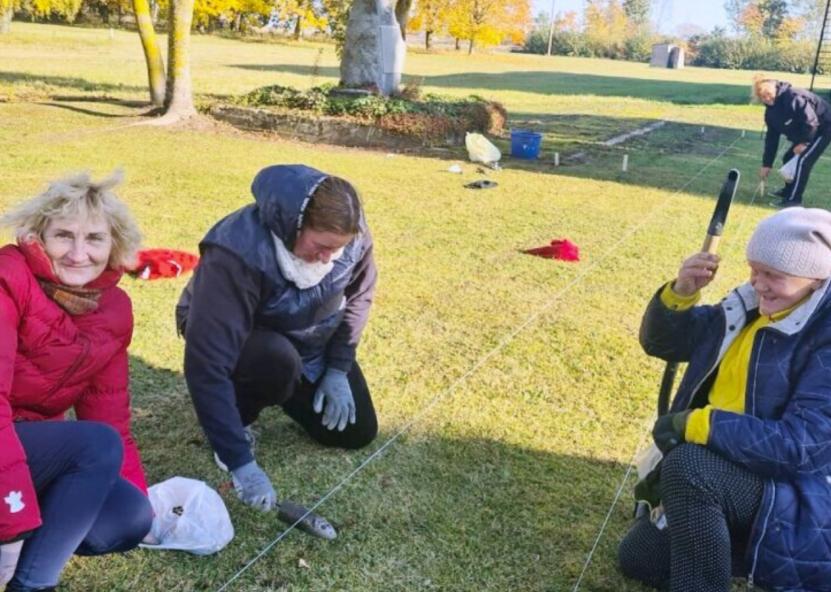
{"x": 744, "y": 485}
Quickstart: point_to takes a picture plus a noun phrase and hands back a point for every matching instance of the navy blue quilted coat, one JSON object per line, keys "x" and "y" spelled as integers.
{"x": 784, "y": 435}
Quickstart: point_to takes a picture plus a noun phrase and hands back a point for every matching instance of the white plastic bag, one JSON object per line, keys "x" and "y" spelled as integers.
{"x": 190, "y": 516}
{"x": 646, "y": 460}
{"x": 788, "y": 170}
{"x": 480, "y": 149}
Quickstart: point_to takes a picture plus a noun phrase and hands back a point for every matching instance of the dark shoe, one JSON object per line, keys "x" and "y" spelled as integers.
{"x": 785, "y": 203}
{"x": 782, "y": 193}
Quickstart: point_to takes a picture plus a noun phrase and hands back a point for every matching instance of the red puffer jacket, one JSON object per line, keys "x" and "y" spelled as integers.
{"x": 51, "y": 361}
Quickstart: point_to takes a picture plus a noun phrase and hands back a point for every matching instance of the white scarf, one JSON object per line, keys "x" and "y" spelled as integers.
{"x": 302, "y": 273}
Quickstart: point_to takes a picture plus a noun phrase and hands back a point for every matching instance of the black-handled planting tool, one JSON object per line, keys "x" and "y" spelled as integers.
{"x": 714, "y": 232}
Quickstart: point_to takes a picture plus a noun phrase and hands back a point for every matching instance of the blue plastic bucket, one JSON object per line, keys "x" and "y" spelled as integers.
{"x": 525, "y": 144}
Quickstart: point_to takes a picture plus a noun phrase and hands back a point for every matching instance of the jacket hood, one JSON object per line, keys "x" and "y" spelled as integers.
{"x": 282, "y": 193}
{"x": 782, "y": 87}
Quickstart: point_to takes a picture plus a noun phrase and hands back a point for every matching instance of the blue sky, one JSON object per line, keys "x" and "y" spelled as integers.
{"x": 704, "y": 13}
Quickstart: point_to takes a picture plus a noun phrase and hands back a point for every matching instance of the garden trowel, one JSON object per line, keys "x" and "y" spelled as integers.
{"x": 306, "y": 520}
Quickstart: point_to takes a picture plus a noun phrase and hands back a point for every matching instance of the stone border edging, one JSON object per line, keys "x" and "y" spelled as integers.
{"x": 322, "y": 128}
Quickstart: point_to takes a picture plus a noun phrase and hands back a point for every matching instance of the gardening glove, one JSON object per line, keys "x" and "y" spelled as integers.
{"x": 9, "y": 554}
{"x": 648, "y": 489}
{"x": 668, "y": 431}
{"x": 254, "y": 487}
{"x": 340, "y": 404}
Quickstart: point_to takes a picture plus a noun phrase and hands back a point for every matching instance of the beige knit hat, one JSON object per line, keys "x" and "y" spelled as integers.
{"x": 796, "y": 241}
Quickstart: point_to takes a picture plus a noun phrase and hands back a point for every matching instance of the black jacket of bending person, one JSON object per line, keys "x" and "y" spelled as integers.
{"x": 238, "y": 286}
{"x": 797, "y": 114}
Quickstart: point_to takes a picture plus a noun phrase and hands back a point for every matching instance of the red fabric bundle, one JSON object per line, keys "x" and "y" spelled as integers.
{"x": 163, "y": 263}
{"x": 562, "y": 249}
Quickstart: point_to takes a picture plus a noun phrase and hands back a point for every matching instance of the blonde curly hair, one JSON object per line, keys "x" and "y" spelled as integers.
{"x": 763, "y": 86}
{"x": 78, "y": 195}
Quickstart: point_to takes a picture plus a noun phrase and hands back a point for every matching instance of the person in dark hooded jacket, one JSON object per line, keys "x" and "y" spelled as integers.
{"x": 273, "y": 316}
{"x": 805, "y": 120}
{"x": 744, "y": 485}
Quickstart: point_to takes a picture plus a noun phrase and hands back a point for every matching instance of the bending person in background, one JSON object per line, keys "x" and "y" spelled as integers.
{"x": 743, "y": 486}
{"x": 805, "y": 120}
{"x": 66, "y": 486}
{"x": 273, "y": 316}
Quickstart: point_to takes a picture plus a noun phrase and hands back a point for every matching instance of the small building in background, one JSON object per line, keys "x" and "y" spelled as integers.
{"x": 667, "y": 55}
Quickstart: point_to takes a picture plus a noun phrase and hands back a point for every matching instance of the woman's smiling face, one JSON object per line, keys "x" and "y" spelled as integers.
{"x": 79, "y": 248}
{"x": 778, "y": 291}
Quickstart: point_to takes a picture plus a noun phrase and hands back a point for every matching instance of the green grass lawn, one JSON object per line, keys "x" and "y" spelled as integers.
{"x": 505, "y": 478}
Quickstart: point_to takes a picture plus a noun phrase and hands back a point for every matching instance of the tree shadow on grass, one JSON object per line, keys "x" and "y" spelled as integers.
{"x": 556, "y": 83}
{"x": 433, "y": 512}
{"x": 79, "y": 84}
{"x": 92, "y": 112}
{"x": 562, "y": 83}
{"x": 323, "y": 71}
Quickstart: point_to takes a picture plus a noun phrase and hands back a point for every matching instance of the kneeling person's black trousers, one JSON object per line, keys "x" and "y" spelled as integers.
{"x": 710, "y": 506}
{"x": 270, "y": 372}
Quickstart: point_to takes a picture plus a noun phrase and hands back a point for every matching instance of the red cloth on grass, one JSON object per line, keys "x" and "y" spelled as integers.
{"x": 163, "y": 263}
{"x": 562, "y": 249}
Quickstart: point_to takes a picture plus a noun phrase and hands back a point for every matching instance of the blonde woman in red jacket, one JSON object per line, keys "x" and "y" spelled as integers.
{"x": 66, "y": 487}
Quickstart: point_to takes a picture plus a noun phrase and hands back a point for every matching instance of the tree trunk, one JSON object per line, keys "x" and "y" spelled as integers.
{"x": 402, "y": 15}
{"x": 458, "y": 44}
{"x": 470, "y": 47}
{"x": 427, "y": 40}
{"x": 298, "y": 28}
{"x": 237, "y": 22}
{"x": 6, "y": 15}
{"x": 152, "y": 53}
{"x": 372, "y": 57}
{"x": 178, "y": 101}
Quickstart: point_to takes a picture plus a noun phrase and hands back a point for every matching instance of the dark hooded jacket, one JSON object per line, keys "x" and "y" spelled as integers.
{"x": 784, "y": 436}
{"x": 238, "y": 287}
{"x": 798, "y": 114}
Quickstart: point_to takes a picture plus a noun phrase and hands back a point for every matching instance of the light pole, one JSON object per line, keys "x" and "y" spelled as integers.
{"x": 551, "y": 29}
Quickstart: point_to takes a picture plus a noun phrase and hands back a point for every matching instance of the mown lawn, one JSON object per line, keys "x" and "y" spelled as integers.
{"x": 528, "y": 388}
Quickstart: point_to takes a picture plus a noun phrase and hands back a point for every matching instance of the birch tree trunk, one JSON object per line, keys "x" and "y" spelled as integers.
{"x": 6, "y": 14}
{"x": 152, "y": 53}
{"x": 179, "y": 93}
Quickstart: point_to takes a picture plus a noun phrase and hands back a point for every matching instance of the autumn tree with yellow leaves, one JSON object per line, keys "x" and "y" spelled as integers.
{"x": 488, "y": 22}
{"x": 430, "y": 16}
{"x": 67, "y": 9}
{"x": 606, "y": 23}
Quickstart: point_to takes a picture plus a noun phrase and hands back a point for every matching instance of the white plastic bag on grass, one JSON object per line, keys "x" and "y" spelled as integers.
{"x": 788, "y": 170}
{"x": 190, "y": 516}
{"x": 480, "y": 149}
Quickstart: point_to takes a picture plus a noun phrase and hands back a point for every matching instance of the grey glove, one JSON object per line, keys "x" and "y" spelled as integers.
{"x": 254, "y": 487}
{"x": 340, "y": 404}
